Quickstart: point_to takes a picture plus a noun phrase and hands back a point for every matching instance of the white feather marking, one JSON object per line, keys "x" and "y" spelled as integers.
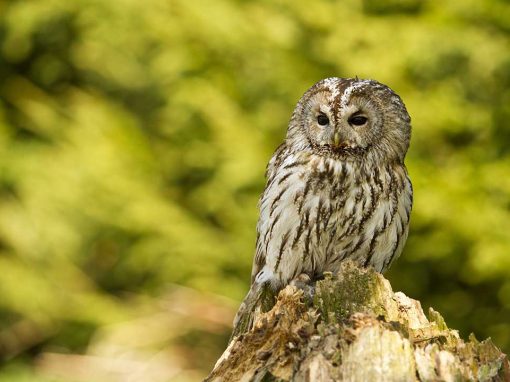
{"x": 346, "y": 97}
{"x": 331, "y": 84}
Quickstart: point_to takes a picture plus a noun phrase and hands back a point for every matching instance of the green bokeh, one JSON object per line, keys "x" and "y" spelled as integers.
{"x": 134, "y": 137}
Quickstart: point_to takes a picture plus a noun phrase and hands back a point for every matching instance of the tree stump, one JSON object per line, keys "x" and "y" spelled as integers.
{"x": 352, "y": 328}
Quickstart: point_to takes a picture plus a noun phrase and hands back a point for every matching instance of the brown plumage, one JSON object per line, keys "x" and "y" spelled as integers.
{"x": 337, "y": 188}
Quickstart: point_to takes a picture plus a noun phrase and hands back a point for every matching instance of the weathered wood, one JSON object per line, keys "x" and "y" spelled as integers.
{"x": 353, "y": 328}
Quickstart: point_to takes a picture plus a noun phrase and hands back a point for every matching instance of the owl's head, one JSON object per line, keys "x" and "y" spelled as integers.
{"x": 351, "y": 118}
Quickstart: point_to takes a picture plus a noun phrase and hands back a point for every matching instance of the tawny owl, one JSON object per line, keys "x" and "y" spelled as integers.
{"x": 337, "y": 188}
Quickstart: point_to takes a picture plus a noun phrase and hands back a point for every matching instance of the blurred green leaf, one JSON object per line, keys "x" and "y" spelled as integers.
{"x": 134, "y": 138}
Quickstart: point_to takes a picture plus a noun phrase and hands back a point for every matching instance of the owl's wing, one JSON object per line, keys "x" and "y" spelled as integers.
{"x": 275, "y": 161}
{"x": 259, "y": 260}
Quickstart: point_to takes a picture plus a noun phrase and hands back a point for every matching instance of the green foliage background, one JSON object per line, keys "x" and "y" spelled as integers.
{"x": 134, "y": 137}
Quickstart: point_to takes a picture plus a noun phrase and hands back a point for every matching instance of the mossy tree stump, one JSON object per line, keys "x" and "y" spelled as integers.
{"x": 354, "y": 328}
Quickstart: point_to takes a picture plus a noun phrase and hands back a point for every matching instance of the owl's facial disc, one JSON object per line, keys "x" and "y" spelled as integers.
{"x": 337, "y": 133}
{"x": 338, "y": 125}
{"x": 349, "y": 118}
{"x": 349, "y": 131}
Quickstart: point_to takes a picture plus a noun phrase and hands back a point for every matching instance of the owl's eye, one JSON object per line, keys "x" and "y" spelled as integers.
{"x": 322, "y": 119}
{"x": 358, "y": 120}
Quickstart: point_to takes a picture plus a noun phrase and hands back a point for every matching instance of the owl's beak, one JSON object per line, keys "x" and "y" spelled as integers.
{"x": 340, "y": 141}
{"x": 336, "y": 139}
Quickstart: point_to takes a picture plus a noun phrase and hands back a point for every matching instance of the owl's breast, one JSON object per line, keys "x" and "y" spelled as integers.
{"x": 299, "y": 213}
{"x": 318, "y": 212}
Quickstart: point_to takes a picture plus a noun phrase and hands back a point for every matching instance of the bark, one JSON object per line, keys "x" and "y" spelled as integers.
{"x": 353, "y": 327}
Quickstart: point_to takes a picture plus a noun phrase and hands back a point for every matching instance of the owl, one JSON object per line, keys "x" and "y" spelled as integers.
{"x": 337, "y": 188}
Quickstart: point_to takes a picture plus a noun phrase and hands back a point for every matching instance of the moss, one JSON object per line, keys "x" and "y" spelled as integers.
{"x": 267, "y": 298}
{"x": 490, "y": 358}
{"x": 396, "y": 326}
{"x": 351, "y": 290}
{"x": 438, "y": 319}
{"x": 268, "y": 377}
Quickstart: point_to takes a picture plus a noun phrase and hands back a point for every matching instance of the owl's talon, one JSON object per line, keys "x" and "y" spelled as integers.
{"x": 302, "y": 279}
{"x": 305, "y": 283}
